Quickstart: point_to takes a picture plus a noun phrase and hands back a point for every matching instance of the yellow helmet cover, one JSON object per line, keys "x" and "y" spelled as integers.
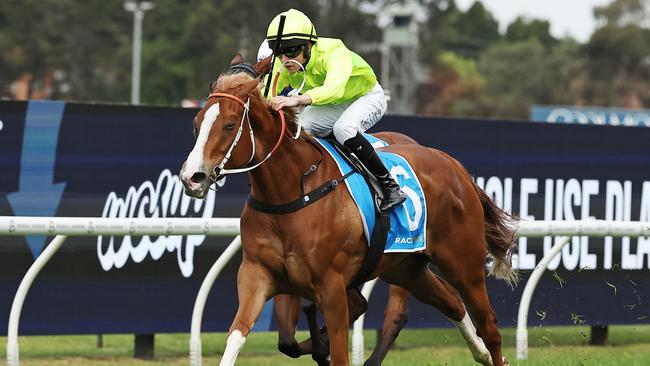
{"x": 298, "y": 29}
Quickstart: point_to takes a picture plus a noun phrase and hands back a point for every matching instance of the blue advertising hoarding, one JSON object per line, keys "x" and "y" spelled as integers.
{"x": 591, "y": 115}
{"x": 70, "y": 159}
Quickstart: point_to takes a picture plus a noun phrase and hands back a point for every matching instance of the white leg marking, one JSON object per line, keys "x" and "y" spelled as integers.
{"x": 195, "y": 159}
{"x": 475, "y": 343}
{"x": 234, "y": 344}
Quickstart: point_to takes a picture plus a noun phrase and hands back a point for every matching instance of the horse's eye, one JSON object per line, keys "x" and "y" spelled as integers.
{"x": 229, "y": 126}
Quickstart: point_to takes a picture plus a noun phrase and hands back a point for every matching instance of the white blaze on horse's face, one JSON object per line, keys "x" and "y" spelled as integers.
{"x": 196, "y": 162}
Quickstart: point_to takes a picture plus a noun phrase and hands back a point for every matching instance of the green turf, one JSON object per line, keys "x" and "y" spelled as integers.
{"x": 558, "y": 346}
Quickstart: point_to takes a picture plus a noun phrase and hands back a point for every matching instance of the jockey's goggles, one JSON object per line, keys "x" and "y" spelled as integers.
{"x": 291, "y": 52}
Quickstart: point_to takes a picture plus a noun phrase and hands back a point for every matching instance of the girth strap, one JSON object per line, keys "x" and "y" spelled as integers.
{"x": 375, "y": 249}
{"x": 301, "y": 202}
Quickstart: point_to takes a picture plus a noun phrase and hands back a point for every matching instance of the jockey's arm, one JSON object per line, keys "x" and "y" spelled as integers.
{"x": 280, "y": 101}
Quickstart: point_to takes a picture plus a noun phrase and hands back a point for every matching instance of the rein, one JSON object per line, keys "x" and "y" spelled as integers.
{"x": 304, "y": 199}
{"x": 247, "y": 68}
{"x": 246, "y": 106}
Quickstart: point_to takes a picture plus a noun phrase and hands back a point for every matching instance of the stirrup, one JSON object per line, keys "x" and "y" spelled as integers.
{"x": 394, "y": 197}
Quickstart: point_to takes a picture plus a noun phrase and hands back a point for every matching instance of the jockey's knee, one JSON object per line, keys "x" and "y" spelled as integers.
{"x": 344, "y": 131}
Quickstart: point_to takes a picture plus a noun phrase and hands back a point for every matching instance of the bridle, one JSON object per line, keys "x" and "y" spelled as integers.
{"x": 304, "y": 199}
{"x": 245, "y": 116}
{"x": 246, "y": 68}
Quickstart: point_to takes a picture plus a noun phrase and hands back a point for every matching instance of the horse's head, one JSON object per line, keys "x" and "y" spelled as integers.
{"x": 220, "y": 124}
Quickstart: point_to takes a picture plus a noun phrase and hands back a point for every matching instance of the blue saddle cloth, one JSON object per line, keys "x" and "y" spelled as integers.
{"x": 407, "y": 221}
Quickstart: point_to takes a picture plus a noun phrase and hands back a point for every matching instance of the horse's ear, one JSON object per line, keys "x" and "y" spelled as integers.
{"x": 263, "y": 66}
{"x": 237, "y": 59}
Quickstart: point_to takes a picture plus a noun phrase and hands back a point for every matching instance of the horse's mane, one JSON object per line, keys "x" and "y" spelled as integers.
{"x": 227, "y": 82}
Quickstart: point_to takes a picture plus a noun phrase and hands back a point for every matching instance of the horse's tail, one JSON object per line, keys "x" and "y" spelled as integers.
{"x": 500, "y": 234}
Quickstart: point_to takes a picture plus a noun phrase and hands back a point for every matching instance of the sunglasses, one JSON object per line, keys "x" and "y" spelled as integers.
{"x": 291, "y": 52}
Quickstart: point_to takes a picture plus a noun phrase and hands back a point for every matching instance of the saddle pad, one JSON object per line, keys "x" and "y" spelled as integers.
{"x": 407, "y": 221}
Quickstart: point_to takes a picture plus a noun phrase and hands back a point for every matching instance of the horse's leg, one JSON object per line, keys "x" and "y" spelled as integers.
{"x": 414, "y": 275}
{"x": 357, "y": 304}
{"x": 287, "y": 311}
{"x": 331, "y": 299}
{"x": 395, "y": 317}
{"x": 318, "y": 344}
{"x": 254, "y": 286}
{"x": 474, "y": 293}
{"x": 468, "y": 277}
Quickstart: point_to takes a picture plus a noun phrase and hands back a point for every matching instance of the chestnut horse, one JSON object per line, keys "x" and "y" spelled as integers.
{"x": 316, "y": 252}
{"x": 287, "y": 309}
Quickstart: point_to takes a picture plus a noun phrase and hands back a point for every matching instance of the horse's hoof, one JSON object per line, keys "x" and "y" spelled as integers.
{"x": 321, "y": 350}
{"x": 321, "y": 355}
{"x": 321, "y": 361}
{"x": 290, "y": 349}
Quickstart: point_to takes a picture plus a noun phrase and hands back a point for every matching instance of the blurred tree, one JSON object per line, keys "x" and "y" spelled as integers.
{"x": 618, "y": 54}
{"x": 78, "y": 43}
{"x": 451, "y": 42}
{"x": 464, "y": 33}
{"x": 66, "y": 49}
{"x": 86, "y": 46}
{"x": 620, "y": 13}
{"x": 522, "y": 29}
{"x": 193, "y": 43}
{"x": 436, "y": 28}
{"x": 521, "y": 74}
{"x": 454, "y": 85}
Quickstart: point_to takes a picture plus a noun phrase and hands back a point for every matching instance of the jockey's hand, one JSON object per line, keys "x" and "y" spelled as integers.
{"x": 279, "y": 102}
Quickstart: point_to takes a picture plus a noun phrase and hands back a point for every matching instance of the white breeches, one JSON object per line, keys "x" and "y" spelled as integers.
{"x": 345, "y": 120}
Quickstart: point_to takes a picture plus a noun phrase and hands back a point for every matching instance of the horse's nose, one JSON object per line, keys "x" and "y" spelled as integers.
{"x": 193, "y": 178}
{"x": 194, "y": 181}
{"x": 198, "y": 177}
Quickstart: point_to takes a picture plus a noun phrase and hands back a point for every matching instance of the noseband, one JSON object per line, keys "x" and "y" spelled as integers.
{"x": 245, "y": 116}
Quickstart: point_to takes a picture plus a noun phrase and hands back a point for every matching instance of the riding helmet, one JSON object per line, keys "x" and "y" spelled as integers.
{"x": 298, "y": 30}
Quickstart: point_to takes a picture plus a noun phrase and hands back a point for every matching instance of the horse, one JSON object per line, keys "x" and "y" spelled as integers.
{"x": 287, "y": 307}
{"x": 316, "y": 251}
{"x": 395, "y": 313}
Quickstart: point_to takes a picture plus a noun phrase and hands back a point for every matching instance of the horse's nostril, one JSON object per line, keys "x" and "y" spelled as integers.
{"x": 198, "y": 177}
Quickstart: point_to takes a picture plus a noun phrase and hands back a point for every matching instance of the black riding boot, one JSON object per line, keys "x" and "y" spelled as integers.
{"x": 393, "y": 195}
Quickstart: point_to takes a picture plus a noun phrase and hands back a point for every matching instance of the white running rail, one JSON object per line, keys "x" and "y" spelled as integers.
{"x": 93, "y": 226}
{"x": 61, "y": 227}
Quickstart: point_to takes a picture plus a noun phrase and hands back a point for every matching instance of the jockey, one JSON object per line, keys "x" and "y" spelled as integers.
{"x": 341, "y": 93}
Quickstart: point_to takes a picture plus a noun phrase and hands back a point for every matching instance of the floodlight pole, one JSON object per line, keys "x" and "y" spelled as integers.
{"x": 137, "y": 8}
